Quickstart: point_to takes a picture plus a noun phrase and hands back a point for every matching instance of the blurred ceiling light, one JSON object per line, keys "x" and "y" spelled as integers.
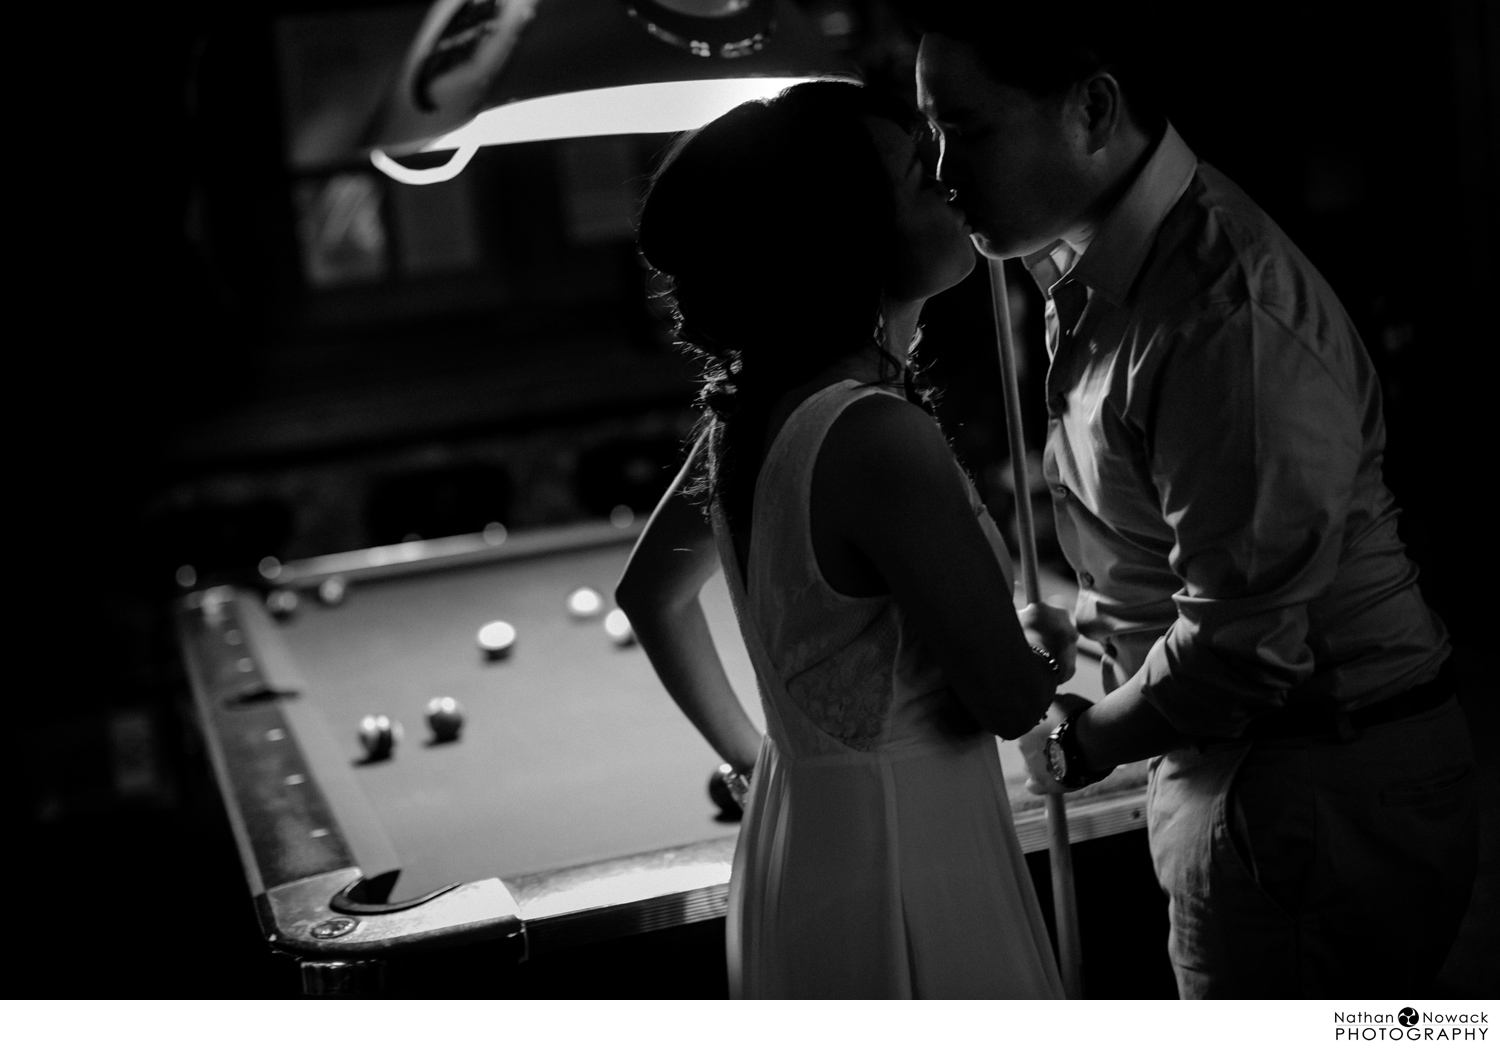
{"x": 487, "y": 72}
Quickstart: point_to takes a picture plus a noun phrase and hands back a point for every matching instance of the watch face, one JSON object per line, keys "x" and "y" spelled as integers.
{"x": 1057, "y": 761}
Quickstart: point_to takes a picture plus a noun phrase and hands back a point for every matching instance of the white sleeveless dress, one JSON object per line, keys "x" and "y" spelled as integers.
{"x": 877, "y": 858}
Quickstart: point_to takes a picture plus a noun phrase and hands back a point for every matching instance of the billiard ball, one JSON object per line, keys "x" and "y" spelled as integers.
{"x": 617, "y": 626}
{"x": 332, "y": 590}
{"x": 496, "y": 638}
{"x": 722, "y": 797}
{"x": 585, "y": 602}
{"x": 445, "y": 717}
{"x": 281, "y": 602}
{"x": 378, "y": 735}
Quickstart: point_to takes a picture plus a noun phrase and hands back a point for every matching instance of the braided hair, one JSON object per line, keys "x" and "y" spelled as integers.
{"x": 774, "y": 228}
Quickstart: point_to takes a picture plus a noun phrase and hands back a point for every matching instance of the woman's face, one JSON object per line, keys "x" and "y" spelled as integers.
{"x": 933, "y": 251}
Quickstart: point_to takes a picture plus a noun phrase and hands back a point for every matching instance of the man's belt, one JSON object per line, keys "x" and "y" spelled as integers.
{"x": 1320, "y": 721}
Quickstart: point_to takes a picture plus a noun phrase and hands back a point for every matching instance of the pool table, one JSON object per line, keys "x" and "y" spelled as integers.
{"x": 573, "y": 808}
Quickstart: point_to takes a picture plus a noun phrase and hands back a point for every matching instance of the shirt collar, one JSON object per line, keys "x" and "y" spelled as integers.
{"x": 1113, "y": 259}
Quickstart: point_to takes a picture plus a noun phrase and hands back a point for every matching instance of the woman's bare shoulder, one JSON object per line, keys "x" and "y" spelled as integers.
{"x": 888, "y": 438}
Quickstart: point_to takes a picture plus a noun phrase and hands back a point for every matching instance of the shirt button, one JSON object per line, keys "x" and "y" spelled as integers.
{"x": 1061, "y": 492}
{"x": 1086, "y": 578}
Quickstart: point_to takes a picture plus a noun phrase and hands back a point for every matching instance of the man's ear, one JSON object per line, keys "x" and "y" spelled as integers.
{"x": 1103, "y": 109}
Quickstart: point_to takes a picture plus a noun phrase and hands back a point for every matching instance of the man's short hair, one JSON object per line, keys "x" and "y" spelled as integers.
{"x": 1046, "y": 47}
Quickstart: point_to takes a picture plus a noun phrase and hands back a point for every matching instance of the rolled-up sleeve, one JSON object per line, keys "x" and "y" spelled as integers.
{"x": 1254, "y": 449}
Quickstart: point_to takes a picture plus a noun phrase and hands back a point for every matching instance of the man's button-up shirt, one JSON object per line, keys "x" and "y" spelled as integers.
{"x": 1215, "y": 450}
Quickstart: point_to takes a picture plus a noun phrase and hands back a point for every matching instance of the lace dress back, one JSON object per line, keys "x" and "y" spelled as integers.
{"x": 877, "y": 857}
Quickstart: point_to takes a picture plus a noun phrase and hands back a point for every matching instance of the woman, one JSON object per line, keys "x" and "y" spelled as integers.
{"x": 877, "y": 858}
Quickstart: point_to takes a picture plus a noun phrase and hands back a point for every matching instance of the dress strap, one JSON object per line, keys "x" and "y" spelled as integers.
{"x": 774, "y": 697}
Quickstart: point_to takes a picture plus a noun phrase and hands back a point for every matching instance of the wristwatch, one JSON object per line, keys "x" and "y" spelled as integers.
{"x": 1065, "y": 763}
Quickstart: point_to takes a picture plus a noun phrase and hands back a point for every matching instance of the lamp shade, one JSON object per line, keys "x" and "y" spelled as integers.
{"x": 485, "y": 72}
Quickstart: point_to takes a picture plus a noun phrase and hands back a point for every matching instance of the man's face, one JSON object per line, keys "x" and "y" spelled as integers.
{"x": 1016, "y": 163}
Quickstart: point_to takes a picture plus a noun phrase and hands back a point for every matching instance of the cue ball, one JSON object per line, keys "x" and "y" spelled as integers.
{"x": 445, "y": 717}
{"x": 585, "y": 602}
{"x": 729, "y": 809}
{"x": 617, "y": 626}
{"x": 496, "y": 638}
{"x": 332, "y": 590}
{"x": 378, "y": 735}
{"x": 281, "y": 602}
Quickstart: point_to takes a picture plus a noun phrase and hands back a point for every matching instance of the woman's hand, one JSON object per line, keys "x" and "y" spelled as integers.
{"x": 1050, "y": 628}
{"x": 1039, "y": 781}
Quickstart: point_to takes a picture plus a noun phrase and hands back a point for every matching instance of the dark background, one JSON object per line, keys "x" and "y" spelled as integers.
{"x": 182, "y": 393}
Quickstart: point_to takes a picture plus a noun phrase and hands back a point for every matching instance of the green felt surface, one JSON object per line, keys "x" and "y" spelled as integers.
{"x": 571, "y": 750}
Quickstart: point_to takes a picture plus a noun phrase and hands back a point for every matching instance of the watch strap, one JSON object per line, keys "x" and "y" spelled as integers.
{"x": 1075, "y": 773}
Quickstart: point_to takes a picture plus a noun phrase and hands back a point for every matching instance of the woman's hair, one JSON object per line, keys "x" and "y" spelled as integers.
{"x": 774, "y": 225}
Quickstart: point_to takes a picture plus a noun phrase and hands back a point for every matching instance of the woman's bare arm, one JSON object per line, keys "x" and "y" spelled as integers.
{"x": 659, "y": 591}
{"x": 886, "y": 482}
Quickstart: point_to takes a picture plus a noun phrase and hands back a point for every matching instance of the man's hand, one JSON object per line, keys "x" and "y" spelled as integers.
{"x": 1040, "y": 781}
{"x": 1050, "y": 628}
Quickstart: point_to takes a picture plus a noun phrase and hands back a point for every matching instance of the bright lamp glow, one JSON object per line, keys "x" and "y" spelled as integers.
{"x": 630, "y": 109}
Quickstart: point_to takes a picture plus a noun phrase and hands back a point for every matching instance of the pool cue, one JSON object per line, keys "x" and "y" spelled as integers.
{"x": 1060, "y": 851}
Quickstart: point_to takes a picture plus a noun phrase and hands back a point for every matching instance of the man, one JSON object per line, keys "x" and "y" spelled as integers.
{"x": 1214, "y": 453}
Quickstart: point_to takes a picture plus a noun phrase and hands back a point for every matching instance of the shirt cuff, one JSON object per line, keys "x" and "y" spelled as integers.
{"x": 1205, "y": 692}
